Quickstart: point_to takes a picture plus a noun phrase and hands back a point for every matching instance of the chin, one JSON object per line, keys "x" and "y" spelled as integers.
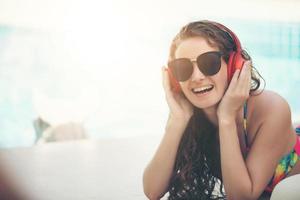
{"x": 205, "y": 105}
{"x": 204, "y": 102}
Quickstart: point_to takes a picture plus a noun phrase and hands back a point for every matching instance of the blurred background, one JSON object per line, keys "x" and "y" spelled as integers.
{"x": 92, "y": 67}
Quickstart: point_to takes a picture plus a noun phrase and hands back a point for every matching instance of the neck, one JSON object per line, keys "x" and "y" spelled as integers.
{"x": 211, "y": 114}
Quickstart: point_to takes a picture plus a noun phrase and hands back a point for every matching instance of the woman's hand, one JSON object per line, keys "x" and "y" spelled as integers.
{"x": 237, "y": 92}
{"x": 180, "y": 107}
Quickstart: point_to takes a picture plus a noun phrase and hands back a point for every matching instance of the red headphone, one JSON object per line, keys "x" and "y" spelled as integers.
{"x": 235, "y": 61}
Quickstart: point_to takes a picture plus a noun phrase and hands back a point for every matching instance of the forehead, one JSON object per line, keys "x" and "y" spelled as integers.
{"x": 192, "y": 47}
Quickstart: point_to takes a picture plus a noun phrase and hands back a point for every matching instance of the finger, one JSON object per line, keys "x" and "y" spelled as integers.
{"x": 165, "y": 78}
{"x": 234, "y": 78}
{"x": 166, "y": 82}
{"x": 246, "y": 80}
{"x": 249, "y": 80}
{"x": 243, "y": 79}
{"x": 171, "y": 98}
{"x": 245, "y": 70}
{"x": 249, "y": 75}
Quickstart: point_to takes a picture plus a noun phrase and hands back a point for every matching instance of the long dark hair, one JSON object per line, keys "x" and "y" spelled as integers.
{"x": 197, "y": 169}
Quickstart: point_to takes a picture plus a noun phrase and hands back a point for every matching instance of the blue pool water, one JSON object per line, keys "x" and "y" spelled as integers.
{"x": 275, "y": 49}
{"x": 25, "y": 63}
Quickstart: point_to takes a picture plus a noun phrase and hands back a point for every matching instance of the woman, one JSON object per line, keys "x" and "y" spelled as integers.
{"x": 222, "y": 130}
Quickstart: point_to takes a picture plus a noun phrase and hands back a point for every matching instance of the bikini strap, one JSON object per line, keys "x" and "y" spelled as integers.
{"x": 245, "y": 124}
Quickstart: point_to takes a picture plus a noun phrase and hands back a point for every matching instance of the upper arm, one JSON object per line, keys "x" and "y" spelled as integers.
{"x": 270, "y": 144}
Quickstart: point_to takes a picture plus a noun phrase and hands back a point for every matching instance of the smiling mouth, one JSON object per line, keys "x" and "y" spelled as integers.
{"x": 202, "y": 90}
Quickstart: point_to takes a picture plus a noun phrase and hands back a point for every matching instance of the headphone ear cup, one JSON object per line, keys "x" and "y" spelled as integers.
{"x": 236, "y": 61}
{"x": 175, "y": 86}
{"x": 230, "y": 65}
{"x": 239, "y": 60}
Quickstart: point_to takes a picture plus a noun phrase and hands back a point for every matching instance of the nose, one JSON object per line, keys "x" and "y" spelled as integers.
{"x": 197, "y": 74}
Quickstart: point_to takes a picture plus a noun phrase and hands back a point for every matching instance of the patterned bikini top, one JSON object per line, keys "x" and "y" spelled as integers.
{"x": 286, "y": 163}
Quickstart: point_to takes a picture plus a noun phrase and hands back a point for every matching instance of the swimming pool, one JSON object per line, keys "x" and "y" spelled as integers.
{"x": 275, "y": 48}
{"x": 25, "y": 63}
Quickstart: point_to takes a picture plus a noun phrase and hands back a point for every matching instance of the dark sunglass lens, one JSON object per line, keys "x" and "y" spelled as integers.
{"x": 182, "y": 68}
{"x": 209, "y": 63}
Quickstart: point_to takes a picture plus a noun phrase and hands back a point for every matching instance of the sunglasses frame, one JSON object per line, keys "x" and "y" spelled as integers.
{"x": 191, "y": 62}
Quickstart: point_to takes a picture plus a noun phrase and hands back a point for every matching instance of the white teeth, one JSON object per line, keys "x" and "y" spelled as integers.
{"x": 200, "y": 89}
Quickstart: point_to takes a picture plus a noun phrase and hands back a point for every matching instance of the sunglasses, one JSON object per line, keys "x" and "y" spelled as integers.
{"x": 209, "y": 64}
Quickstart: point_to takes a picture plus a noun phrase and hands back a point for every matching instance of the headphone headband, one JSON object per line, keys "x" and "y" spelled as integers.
{"x": 233, "y": 36}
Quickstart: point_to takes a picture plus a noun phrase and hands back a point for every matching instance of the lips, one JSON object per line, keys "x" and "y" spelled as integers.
{"x": 202, "y": 89}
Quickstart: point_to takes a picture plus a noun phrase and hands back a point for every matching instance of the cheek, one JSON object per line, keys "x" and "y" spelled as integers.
{"x": 220, "y": 81}
{"x": 185, "y": 89}
{"x": 184, "y": 86}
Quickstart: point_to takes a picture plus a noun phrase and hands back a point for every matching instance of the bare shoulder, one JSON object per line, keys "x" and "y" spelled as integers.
{"x": 267, "y": 107}
{"x": 268, "y": 103}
